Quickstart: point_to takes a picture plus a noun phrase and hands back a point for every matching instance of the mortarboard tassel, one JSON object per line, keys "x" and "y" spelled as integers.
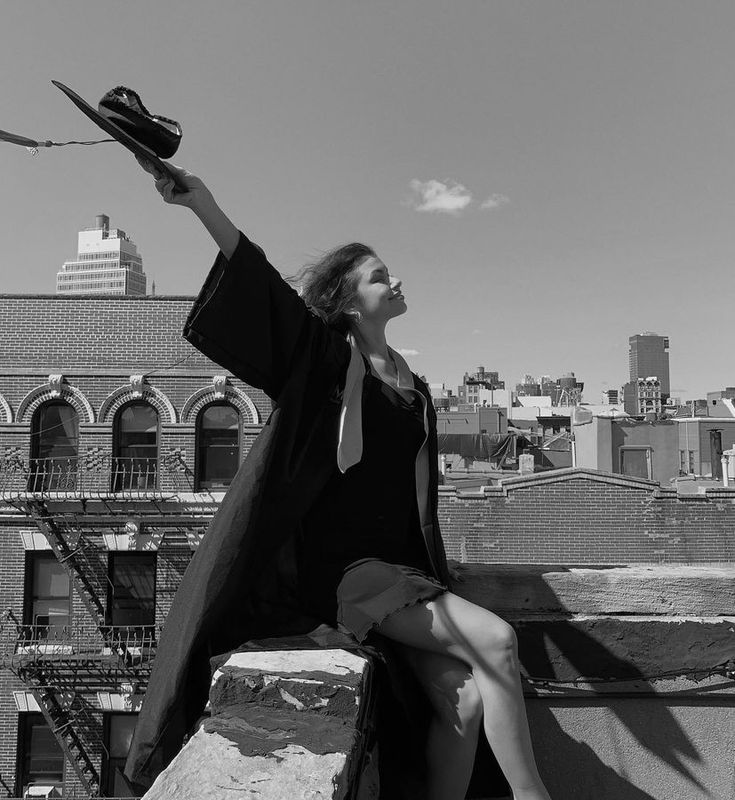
{"x": 32, "y": 145}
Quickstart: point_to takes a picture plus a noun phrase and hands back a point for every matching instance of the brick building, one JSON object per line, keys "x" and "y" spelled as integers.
{"x": 117, "y": 440}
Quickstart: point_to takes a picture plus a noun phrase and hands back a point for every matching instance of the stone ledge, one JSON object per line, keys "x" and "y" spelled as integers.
{"x": 284, "y": 724}
{"x": 665, "y": 589}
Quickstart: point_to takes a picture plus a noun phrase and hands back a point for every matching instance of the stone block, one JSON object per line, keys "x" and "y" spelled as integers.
{"x": 283, "y": 724}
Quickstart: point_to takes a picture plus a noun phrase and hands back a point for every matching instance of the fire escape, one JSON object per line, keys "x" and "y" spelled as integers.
{"x": 74, "y": 505}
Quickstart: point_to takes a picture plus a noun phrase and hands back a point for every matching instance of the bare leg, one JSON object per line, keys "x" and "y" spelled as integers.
{"x": 457, "y": 714}
{"x": 455, "y": 627}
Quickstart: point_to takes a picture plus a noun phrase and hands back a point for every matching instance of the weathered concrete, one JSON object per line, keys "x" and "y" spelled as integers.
{"x": 628, "y": 686}
{"x": 665, "y": 589}
{"x": 284, "y": 724}
{"x": 635, "y": 748}
{"x": 627, "y": 703}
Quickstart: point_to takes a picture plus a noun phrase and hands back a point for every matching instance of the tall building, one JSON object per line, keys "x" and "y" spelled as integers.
{"x": 107, "y": 262}
{"x": 649, "y": 357}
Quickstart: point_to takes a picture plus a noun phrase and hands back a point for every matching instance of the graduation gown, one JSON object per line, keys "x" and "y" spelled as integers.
{"x": 240, "y": 582}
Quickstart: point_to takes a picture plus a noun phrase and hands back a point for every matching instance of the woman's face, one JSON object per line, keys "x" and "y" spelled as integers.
{"x": 378, "y": 296}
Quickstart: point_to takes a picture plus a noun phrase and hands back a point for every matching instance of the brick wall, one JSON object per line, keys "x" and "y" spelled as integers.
{"x": 586, "y": 517}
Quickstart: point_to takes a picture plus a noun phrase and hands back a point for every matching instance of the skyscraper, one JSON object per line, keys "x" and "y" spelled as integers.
{"x": 649, "y": 357}
{"x": 107, "y": 262}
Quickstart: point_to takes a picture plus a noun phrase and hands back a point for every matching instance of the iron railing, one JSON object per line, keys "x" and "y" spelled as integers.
{"x": 93, "y": 474}
{"x": 72, "y": 796}
{"x": 128, "y": 645}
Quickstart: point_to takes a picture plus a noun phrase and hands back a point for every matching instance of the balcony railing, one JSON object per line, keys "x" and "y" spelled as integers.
{"x": 94, "y": 474}
{"x": 119, "y": 645}
{"x": 65, "y": 796}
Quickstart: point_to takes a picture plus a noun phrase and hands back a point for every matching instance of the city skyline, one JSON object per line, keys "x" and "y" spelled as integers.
{"x": 546, "y": 178}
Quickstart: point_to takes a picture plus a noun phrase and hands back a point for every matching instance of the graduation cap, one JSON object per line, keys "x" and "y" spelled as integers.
{"x": 122, "y": 115}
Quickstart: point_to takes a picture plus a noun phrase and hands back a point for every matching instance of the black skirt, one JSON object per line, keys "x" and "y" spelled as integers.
{"x": 371, "y": 590}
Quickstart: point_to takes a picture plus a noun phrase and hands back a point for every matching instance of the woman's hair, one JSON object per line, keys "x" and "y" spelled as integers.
{"x": 328, "y": 285}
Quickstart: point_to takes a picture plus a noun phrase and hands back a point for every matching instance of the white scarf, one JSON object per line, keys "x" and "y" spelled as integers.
{"x": 349, "y": 447}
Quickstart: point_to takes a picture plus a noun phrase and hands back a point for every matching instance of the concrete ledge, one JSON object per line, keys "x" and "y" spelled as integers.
{"x": 627, "y": 677}
{"x": 665, "y": 589}
{"x": 284, "y": 724}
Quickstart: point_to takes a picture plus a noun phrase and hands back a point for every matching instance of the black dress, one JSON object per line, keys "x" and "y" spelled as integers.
{"x": 362, "y": 554}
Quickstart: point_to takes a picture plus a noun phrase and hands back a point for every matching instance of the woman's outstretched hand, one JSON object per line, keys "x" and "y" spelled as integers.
{"x": 197, "y": 194}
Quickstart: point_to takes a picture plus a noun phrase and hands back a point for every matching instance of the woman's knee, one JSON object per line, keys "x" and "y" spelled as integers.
{"x": 490, "y": 640}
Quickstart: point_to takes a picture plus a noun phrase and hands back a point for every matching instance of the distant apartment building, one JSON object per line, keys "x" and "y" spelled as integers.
{"x": 643, "y": 396}
{"x": 107, "y": 262}
{"x": 649, "y": 356}
{"x": 470, "y": 390}
{"x": 529, "y": 387}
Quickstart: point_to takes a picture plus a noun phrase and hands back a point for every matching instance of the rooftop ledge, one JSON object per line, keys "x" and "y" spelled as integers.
{"x": 628, "y": 674}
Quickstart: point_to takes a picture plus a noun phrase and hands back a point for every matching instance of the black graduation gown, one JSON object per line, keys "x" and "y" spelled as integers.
{"x": 239, "y": 583}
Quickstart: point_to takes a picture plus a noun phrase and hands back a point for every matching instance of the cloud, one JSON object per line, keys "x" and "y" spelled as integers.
{"x": 433, "y": 195}
{"x": 407, "y": 351}
{"x": 496, "y": 201}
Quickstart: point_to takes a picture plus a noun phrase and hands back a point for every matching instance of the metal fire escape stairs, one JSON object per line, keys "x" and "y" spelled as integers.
{"x": 64, "y": 719}
{"x": 73, "y": 560}
{"x": 63, "y": 711}
{"x": 61, "y": 722}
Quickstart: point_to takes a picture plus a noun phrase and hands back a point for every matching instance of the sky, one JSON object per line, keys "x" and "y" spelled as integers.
{"x": 547, "y": 177}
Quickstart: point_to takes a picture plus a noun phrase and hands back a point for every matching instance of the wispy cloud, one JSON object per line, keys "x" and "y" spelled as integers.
{"x": 432, "y": 195}
{"x": 407, "y": 351}
{"x": 496, "y": 201}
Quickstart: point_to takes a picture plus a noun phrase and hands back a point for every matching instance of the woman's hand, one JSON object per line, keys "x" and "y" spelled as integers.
{"x": 197, "y": 196}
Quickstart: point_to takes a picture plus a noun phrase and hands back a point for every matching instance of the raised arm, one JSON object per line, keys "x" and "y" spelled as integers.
{"x": 247, "y": 318}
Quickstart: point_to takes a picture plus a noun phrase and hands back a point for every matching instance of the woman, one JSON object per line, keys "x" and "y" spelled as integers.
{"x": 341, "y": 491}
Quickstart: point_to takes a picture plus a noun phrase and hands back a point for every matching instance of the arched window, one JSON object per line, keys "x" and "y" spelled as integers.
{"x": 54, "y": 447}
{"x": 135, "y": 447}
{"x": 217, "y": 446}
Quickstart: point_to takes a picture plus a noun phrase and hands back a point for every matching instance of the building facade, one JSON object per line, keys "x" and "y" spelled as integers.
{"x": 643, "y": 396}
{"x": 107, "y": 262}
{"x": 472, "y": 383}
{"x": 117, "y": 442}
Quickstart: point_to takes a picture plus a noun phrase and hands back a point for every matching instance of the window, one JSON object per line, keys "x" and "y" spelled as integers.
{"x": 131, "y": 598}
{"x": 636, "y": 462}
{"x": 686, "y": 461}
{"x": 218, "y": 446}
{"x": 40, "y": 757}
{"x": 118, "y": 734}
{"x": 47, "y": 610}
{"x": 54, "y": 447}
{"x": 135, "y": 439}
